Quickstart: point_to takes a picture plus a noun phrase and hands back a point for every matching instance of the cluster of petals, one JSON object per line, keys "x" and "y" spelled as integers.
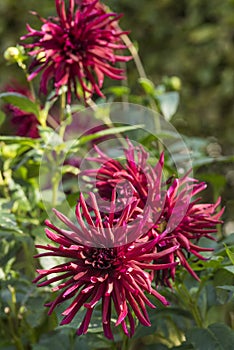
{"x": 120, "y": 252}
{"x": 77, "y": 47}
{"x": 116, "y": 277}
{"x": 177, "y": 215}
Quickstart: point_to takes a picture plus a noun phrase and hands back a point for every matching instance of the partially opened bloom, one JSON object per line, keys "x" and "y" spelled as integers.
{"x": 176, "y": 215}
{"x": 77, "y": 46}
{"x": 186, "y": 221}
{"x": 117, "y": 277}
{"x": 133, "y": 173}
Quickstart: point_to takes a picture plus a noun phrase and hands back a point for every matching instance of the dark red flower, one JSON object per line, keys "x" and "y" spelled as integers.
{"x": 77, "y": 46}
{"x": 175, "y": 214}
{"x": 196, "y": 220}
{"x": 117, "y": 276}
{"x": 131, "y": 177}
{"x": 26, "y": 123}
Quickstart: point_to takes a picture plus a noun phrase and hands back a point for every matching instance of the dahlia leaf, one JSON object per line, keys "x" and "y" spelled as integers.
{"x": 216, "y": 337}
{"x": 168, "y": 102}
{"x": 112, "y": 131}
{"x": 20, "y": 101}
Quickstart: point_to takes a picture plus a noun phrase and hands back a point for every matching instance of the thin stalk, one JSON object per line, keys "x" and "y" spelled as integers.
{"x": 124, "y": 82}
{"x": 191, "y": 304}
{"x": 13, "y": 328}
{"x": 54, "y": 190}
{"x": 62, "y": 106}
{"x": 135, "y": 56}
{"x": 30, "y": 84}
{"x": 125, "y": 343}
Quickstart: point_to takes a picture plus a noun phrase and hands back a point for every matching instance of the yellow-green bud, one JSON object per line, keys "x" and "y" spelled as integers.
{"x": 12, "y": 54}
{"x": 175, "y": 83}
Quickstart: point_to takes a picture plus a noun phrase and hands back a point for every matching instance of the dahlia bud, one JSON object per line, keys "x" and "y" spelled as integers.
{"x": 172, "y": 83}
{"x": 11, "y": 54}
{"x": 15, "y": 54}
{"x": 175, "y": 83}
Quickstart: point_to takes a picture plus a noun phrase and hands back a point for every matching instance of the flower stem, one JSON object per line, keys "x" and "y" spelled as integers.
{"x": 62, "y": 106}
{"x": 125, "y": 343}
{"x": 191, "y": 304}
{"x": 135, "y": 56}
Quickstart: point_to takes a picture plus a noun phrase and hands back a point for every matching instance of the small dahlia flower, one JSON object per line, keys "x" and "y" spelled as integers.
{"x": 176, "y": 215}
{"x": 196, "y": 220}
{"x": 130, "y": 176}
{"x": 117, "y": 278}
{"x": 26, "y": 124}
{"x": 77, "y": 46}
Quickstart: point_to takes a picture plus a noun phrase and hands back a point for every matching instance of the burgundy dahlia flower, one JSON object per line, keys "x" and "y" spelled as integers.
{"x": 26, "y": 124}
{"x": 196, "y": 220}
{"x": 131, "y": 177}
{"x": 77, "y": 46}
{"x": 176, "y": 215}
{"x": 116, "y": 277}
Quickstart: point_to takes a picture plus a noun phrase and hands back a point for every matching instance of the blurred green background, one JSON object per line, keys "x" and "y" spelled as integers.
{"x": 192, "y": 39}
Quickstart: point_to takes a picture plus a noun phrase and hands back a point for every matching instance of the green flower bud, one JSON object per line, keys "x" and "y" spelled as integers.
{"x": 12, "y": 54}
{"x": 175, "y": 83}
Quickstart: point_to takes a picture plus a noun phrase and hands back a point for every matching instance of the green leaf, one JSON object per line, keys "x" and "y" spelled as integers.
{"x": 168, "y": 102}
{"x": 228, "y": 288}
{"x": 18, "y": 139}
{"x": 216, "y": 337}
{"x": 8, "y": 221}
{"x": 147, "y": 85}
{"x": 112, "y": 131}
{"x": 2, "y": 117}
{"x": 20, "y": 101}
{"x": 155, "y": 346}
{"x": 230, "y": 254}
{"x": 53, "y": 340}
{"x": 229, "y": 268}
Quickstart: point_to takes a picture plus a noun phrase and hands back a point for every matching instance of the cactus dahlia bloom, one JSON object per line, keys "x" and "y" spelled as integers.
{"x": 177, "y": 216}
{"x": 76, "y": 47}
{"x": 117, "y": 277}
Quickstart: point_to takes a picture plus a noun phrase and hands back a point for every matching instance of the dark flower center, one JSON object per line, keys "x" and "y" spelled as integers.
{"x": 100, "y": 258}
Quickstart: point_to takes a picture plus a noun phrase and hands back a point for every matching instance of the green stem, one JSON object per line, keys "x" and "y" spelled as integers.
{"x": 30, "y": 84}
{"x": 31, "y": 88}
{"x": 62, "y": 106}
{"x": 18, "y": 343}
{"x": 135, "y": 56}
{"x": 196, "y": 315}
{"x": 54, "y": 190}
{"x": 13, "y": 332}
{"x": 125, "y": 343}
{"x": 191, "y": 304}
